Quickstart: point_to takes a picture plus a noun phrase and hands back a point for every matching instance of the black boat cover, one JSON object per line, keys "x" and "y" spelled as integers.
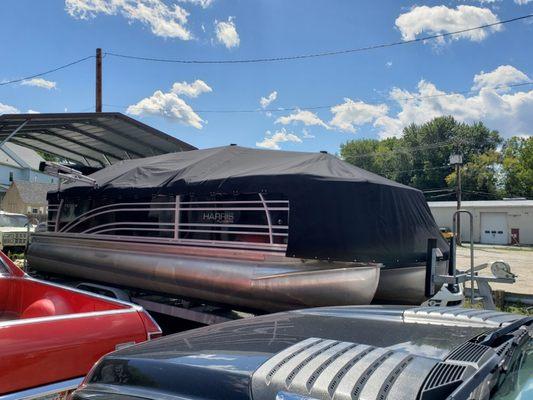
{"x": 337, "y": 211}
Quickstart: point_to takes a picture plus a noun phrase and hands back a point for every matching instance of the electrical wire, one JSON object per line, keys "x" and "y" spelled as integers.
{"x": 438, "y": 190}
{"x": 408, "y": 150}
{"x": 3, "y": 83}
{"x": 273, "y": 59}
{"x": 320, "y": 54}
{"x": 312, "y": 108}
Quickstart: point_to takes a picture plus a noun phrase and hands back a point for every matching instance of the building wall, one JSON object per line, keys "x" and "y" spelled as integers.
{"x": 13, "y": 203}
{"x": 517, "y": 218}
{"x": 10, "y": 173}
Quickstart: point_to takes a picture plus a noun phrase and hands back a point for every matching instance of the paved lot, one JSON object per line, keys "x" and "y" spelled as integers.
{"x": 520, "y": 260}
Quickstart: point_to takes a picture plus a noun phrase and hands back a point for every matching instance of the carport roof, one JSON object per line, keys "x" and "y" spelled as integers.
{"x": 92, "y": 139}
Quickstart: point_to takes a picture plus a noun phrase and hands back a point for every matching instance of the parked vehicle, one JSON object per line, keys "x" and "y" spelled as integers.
{"x": 446, "y": 232}
{"x": 426, "y": 353}
{"x": 14, "y": 231}
{"x": 50, "y": 335}
{"x": 250, "y": 229}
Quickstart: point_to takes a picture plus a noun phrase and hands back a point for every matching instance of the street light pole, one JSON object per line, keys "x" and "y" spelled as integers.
{"x": 457, "y": 160}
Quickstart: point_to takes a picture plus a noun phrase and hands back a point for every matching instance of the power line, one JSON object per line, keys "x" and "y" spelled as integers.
{"x": 3, "y": 83}
{"x": 440, "y": 196}
{"x": 482, "y": 193}
{"x": 408, "y": 150}
{"x": 320, "y": 54}
{"x": 312, "y": 108}
{"x": 439, "y": 190}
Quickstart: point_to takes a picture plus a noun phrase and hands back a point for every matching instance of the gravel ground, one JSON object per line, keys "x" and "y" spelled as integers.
{"x": 520, "y": 260}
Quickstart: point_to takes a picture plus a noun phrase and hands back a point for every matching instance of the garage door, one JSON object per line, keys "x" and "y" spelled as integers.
{"x": 494, "y": 228}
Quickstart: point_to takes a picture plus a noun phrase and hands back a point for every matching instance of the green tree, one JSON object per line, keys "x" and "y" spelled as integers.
{"x": 361, "y": 153}
{"x": 479, "y": 177}
{"x": 385, "y": 157}
{"x": 518, "y": 167}
{"x": 432, "y": 143}
{"x": 420, "y": 157}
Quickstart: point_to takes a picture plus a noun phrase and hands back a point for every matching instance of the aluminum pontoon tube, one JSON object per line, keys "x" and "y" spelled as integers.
{"x": 404, "y": 285}
{"x": 253, "y": 284}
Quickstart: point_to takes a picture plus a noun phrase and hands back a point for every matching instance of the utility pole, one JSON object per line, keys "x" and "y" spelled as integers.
{"x": 98, "y": 107}
{"x": 457, "y": 160}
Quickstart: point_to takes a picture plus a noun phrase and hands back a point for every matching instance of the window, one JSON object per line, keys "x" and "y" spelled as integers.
{"x": 244, "y": 218}
{"x": 10, "y": 176}
{"x": 13, "y": 220}
{"x": 237, "y": 220}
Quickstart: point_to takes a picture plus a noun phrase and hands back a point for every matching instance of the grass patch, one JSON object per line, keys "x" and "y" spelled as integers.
{"x": 518, "y": 308}
{"x": 515, "y": 308}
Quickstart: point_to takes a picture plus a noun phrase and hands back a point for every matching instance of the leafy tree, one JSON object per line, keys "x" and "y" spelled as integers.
{"x": 361, "y": 153}
{"x": 432, "y": 143}
{"x": 385, "y": 157}
{"x": 518, "y": 167}
{"x": 420, "y": 157}
{"x": 479, "y": 177}
{"x": 50, "y": 157}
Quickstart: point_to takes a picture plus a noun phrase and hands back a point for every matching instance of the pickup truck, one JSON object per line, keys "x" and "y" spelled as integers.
{"x": 333, "y": 353}
{"x": 51, "y": 335}
{"x": 14, "y": 231}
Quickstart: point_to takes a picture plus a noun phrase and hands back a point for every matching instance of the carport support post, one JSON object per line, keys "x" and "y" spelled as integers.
{"x": 98, "y": 107}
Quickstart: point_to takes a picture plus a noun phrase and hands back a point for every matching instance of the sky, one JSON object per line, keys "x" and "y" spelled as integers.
{"x": 365, "y": 94}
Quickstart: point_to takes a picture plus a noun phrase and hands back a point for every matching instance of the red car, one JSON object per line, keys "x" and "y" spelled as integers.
{"x": 51, "y": 335}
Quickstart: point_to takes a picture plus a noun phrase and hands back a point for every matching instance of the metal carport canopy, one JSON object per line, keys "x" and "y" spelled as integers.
{"x": 91, "y": 139}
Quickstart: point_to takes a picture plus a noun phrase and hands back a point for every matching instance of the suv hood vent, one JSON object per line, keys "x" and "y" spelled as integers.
{"x": 458, "y": 316}
{"x": 443, "y": 380}
{"x": 329, "y": 369}
{"x": 469, "y": 353}
{"x": 458, "y": 367}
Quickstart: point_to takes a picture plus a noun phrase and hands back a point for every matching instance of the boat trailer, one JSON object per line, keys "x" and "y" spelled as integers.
{"x": 453, "y": 284}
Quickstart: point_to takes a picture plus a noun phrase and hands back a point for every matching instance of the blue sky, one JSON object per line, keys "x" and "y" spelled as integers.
{"x": 365, "y": 90}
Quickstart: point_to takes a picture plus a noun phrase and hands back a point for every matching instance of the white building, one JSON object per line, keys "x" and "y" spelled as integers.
{"x": 495, "y": 221}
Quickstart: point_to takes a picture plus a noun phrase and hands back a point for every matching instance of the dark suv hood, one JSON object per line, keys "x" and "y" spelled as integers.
{"x": 219, "y": 361}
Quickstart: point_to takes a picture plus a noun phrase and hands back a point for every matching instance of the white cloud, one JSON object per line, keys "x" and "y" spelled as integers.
{"x": 509, "y": 113}
{"x": 266, "y": 101}
{"x": 30, "y": 111}
{"x": 201, "y": 3}
{"x": 39, "y": 82}
{"x": 441, "y": 19}
{"x": 503, "y": 75}
{"x": 164, "y": 20}
{"x": 7, "y": 109}
{"x": 307, "y": 134}
{"x": 226, "y": 32}
{"x": 194, "y": 89}
{"x": 351, "y": 114}
{"x": 388, "y": 64}
{"x": 171, "y": 106}
{"x": 306, "y": 117}
{"x": 519, "y": 2}
{"x": 272, "y": 140}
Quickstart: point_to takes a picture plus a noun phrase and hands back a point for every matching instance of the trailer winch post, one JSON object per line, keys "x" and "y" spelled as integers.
{"x": 431, "y": 260}
{"x": 456, "y": 216}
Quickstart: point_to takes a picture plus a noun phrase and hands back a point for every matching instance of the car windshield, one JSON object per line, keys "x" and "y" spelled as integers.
{"x": 18, "y": 221}
{"x": 517, "y": 383}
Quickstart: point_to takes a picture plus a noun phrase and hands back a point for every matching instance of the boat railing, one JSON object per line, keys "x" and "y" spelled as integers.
{"x": 261, "y": 223}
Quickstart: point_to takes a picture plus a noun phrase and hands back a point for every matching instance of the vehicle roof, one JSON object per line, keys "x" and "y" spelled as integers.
{"x": 228, "y": 355}
{"x": 8, "y": 213}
